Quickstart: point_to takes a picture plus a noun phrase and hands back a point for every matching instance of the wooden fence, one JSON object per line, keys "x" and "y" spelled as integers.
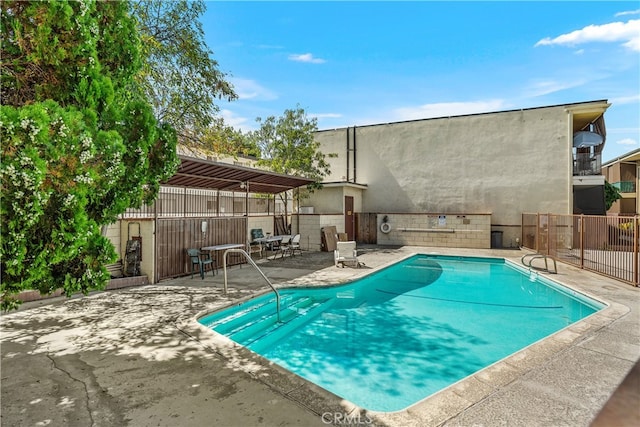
{"x": 604, "y": 244}
{"x": 366, "y": 227}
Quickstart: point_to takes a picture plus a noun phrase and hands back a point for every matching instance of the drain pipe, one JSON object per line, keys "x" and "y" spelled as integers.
{"x": 347, "y": 154}
{"x": 354, "y": 155}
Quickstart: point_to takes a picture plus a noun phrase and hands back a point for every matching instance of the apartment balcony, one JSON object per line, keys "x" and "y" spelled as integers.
{"x": 587, "y": 164}
{"x": 625, "y": 186}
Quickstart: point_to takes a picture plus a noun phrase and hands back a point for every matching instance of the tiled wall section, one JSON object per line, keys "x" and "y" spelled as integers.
{"x": 311, "y": 228}
{"x": 440, "y": 230}
{"x": 264, "y": 222}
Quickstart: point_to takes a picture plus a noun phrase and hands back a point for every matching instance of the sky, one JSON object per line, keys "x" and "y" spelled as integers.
{"x": 366, "y": 62}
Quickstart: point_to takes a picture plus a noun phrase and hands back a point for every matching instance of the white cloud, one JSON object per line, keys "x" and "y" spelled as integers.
{"x": 250, "y": 89}
{"x": 626, "y": 32}
{"x": 631, "y": 99}
{"x": 443, "y": 109}
{"x": 235, "y": 121}
{"x": 627, "y": 141}
{"x": 306, "y": 57}
{"x": 628, "y": 12}
{"x": 539, "y": 87}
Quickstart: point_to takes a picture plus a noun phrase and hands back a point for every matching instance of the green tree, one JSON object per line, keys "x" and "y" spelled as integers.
{"x": 179, "y": 75}
{"x": 79, "y": 142}
{"x": 611, "y": 194}
{"x": 220, "y": 138}
{"x": 287, "y": 146}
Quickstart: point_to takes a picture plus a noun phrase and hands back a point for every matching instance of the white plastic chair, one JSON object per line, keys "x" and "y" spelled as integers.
{"x": 295, "y": 245}
{"x": 346, "y": 252}
{"x": 284, "y": 247}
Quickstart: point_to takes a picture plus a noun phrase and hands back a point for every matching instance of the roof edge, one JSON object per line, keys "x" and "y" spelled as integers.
{"x": 599, "y": 101}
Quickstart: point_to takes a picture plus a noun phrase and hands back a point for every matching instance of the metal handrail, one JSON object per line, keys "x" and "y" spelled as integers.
{"x": 248, "y": 257}
{"x": 539, "y": 256}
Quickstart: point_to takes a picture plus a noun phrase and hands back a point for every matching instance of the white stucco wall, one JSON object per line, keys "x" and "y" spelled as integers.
{"x": 501, "y": 163}
{"x": 329, "y": 200}
{"x": 147, "y": 231}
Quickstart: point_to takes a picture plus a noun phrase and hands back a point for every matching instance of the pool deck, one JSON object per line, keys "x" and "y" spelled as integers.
{"x": 137, "y": 357}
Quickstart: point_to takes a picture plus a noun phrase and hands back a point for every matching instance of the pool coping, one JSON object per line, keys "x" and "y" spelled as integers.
{"x": 440, "y": 407}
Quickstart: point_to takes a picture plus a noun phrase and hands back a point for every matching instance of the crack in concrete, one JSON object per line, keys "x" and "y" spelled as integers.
{"x": 84, "y": 385}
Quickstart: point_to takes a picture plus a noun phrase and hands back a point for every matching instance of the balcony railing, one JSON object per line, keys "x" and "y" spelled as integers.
{"x": 625, "y": 186}
{"x": 587, "y": 164}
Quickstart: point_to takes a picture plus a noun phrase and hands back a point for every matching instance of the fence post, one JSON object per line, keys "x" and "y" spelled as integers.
{"x": 548, "y": 234}
{"x": 581, "y": 221}
{"x": 635, "y": 251}
{"x": 537, "y": 232}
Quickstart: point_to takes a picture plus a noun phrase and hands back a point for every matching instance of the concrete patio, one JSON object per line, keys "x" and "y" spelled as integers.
{"x": 137, "y": 357}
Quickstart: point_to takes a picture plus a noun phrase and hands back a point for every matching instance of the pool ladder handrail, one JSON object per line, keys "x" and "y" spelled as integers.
{"x": 250, "y": 261}
{"x": 540, "y": 256}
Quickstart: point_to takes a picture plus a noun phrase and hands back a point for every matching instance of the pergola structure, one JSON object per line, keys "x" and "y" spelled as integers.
{"x": 207, "y": 174}
{"x": 165, "y": 234}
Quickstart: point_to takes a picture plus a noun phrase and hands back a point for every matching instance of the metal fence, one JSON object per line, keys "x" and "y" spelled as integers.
{"x": 604, "y": 244}
{"x": 177, "y": 202}
{"x": 175, "y": 235}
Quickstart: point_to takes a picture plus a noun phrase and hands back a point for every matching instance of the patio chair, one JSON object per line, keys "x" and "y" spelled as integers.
{"x": 284, "y": 247}
{"x": 201, "y": 259}
{"x": 346, "y": 252}
{"x": 256, "y": 233}
{"x": 295, "y": 245}
{"x": 255, "y": 247}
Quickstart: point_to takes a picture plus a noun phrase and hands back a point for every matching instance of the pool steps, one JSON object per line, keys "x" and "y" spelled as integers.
{"x": 250, "y": 325}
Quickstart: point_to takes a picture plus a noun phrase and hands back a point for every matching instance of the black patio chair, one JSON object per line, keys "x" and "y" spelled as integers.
{"x": 201, "y": 259}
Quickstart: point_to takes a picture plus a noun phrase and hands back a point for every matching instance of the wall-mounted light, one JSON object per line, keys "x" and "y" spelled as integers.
{"x": 244, "y": 185}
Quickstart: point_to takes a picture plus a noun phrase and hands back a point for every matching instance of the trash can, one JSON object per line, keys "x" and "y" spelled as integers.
{"x": 496, "y": 240}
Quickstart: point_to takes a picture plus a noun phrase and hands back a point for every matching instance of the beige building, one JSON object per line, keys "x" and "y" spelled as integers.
{"x": 458, "y": 181}
{"x": 624, "y": 172}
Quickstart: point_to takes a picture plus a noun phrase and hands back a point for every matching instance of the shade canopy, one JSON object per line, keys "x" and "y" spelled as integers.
{"x": 584, "y": 139}
{"x": 201, "y": 173}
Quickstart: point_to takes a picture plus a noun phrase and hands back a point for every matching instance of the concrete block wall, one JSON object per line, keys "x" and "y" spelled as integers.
{"x": 440, "y": 230}
{"x": 310, "y": 226}
{"x": 264, "y": 222}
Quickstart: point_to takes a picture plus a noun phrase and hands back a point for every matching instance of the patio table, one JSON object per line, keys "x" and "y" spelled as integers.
{"x": 268, "y": 242}
{"x": 223, "y": 247}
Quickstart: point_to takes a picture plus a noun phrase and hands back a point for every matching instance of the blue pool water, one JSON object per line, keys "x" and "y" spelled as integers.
{"x": 391, "y": 339}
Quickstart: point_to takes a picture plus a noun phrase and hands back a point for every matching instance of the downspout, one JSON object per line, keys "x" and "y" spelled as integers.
{"x": 347, "y": 154}
{"x": 354, "y": 155}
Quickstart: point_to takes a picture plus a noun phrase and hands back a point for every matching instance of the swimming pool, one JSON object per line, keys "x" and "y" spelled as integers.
{"x": 393, "y": 338}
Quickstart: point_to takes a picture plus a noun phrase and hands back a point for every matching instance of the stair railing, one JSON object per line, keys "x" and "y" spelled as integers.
{"x": 250, "y": 261}
{"x": 527, "y": 260}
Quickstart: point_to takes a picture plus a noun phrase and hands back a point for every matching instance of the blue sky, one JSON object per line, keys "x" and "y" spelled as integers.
{"x": 359, "y": 63}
